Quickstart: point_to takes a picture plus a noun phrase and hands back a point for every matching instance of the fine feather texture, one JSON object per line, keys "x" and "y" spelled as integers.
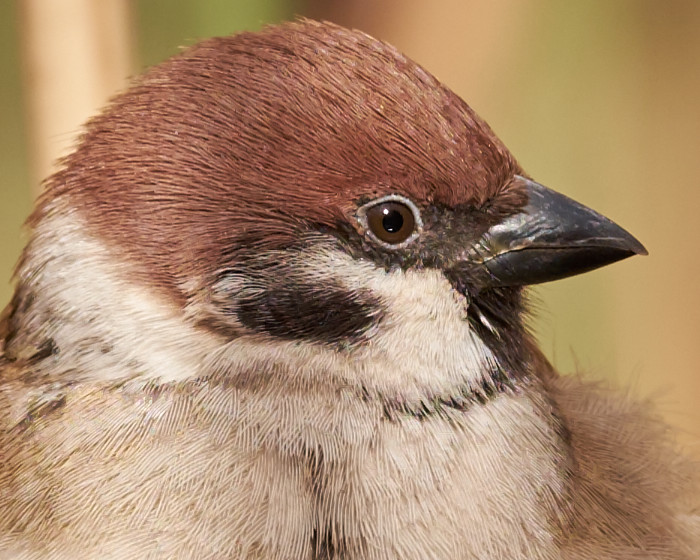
{"x": 207, "y": 357}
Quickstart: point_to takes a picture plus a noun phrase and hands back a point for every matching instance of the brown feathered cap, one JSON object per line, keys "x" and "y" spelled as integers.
{"x": 246, "y": 141}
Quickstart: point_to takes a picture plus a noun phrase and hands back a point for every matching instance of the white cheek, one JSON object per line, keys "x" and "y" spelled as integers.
{"x": 105, "y": 326}
{"x": 422, "y": 346}
{"x": 108, "y": 327}
{"x": 424, "y": 342}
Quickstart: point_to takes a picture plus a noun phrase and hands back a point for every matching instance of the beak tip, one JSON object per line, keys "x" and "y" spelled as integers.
{"x": 554, "y": 237}
{"x": 632, "y": 244}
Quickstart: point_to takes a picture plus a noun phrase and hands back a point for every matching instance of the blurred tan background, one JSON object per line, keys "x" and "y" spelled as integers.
{"x": 599, "y": 99}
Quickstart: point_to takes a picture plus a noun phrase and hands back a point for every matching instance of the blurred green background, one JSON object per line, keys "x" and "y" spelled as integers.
{"x": 599, "y": 99}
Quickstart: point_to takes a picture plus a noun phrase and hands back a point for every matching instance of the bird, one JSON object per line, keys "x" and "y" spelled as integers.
{"x": 274, "y": 305}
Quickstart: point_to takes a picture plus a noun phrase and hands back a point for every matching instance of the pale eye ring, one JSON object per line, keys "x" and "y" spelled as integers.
{"x": 392, "y": 221}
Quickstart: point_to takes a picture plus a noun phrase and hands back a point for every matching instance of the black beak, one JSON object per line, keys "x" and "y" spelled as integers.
{"x": 551, "y": 238}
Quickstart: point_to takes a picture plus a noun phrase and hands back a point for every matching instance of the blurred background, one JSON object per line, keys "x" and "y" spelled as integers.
{"x": 599, "y": 99}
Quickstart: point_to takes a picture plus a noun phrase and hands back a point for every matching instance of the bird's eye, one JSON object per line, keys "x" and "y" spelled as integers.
{"x": 392, "y": 220}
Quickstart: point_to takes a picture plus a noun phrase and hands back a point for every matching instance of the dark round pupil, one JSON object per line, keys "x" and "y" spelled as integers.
{"x": 392, "y": 221}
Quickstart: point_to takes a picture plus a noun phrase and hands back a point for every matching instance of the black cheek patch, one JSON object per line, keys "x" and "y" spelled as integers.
{"x": 298, "y": 307}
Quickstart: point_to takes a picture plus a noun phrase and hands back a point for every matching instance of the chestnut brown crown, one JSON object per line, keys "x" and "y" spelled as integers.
{"x": 243, "y": 143}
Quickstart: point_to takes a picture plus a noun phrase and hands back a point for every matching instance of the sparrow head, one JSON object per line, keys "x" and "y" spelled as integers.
{"x": 310, "y": 186}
